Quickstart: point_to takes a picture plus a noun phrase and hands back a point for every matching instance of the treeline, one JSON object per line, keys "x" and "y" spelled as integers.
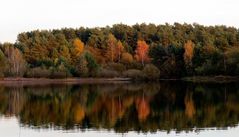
{"x": 141, "y": 51}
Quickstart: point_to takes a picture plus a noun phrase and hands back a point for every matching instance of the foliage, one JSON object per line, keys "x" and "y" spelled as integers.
{"x": 115, "y": 66}
{"x": 78, "y": 47}
{"x": 188, "y": 54}
{"x": 127, "y": 58}
{"x": 91, "y": 64}
{"x": 151, "y": 72}
{"x": 232, "y": 60}
{"x": 111, "y": 47}
{"x": 177, "y": 50}
{"x": 38, "y": 72}
{"x": 77, "y": 50}
{"x": 134, "y": 74}
{"x": 142, "y": 52}
{"x": 3, "y": 62}
{"x": 107, "y": 73}
{"x": 60, "y": 71}
{"x": 15, "y": 60}
{"x": 81, "y": 67}
{"x": 119, "y": 50}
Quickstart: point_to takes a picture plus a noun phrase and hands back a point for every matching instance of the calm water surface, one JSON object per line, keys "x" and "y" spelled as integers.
{"x": 129, "y": 109}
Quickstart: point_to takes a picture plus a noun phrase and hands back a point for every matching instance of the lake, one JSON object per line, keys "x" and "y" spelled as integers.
{"x": 168, "y": 108}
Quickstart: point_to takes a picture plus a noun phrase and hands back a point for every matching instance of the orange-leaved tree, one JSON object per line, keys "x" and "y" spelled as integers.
{"x": 127, "y": 58}
{"x": 142, "y": 52}
{"x": 188, "y": 53}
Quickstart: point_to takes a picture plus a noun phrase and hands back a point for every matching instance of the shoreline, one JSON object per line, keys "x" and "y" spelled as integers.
{"x": 43, "y": 81}
{"x": 211, "y": 79}
{"x": 77, "y": 80}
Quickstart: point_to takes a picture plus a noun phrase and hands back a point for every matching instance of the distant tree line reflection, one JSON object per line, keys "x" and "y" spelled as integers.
{"x": 141, "y": 107}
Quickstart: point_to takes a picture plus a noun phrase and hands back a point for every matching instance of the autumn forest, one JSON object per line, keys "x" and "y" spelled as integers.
{"x": 140, "y": 52}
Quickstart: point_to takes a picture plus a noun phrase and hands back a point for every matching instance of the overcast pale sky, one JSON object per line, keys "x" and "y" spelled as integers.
{"x": 24, "y": 15}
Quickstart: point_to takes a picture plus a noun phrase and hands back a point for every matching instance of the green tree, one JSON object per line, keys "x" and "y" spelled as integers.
{"x": 232, "y": 61}
{"x": 82, "y": 67}
{"x": 91, "y": 64}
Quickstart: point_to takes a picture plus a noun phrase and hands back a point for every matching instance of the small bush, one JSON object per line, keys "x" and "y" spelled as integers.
{"x": 135, "y": 65}
{"x": 135, "y": 74}
{"x": 108, "y": 73}
{"x": 60, "y": 74}
{"x": 127, "y": 58}
{"x": 151, "y": 72}
{"x": 116, "y": 67}
{"x": 38, "y": 73}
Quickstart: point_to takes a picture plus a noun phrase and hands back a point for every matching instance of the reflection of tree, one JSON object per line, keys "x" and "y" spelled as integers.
{"x": 79, "y": 113}
{"x": 111, "y": 110}
{"x": 14, "y": 99}
{"x": 3, "y": 100}
{"x": 124, "y": 107}
{"x": 189, "y": 105}
{"x": 143, "y": 108}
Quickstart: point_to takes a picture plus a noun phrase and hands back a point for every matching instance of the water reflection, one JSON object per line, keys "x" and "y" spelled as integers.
{"x": 141, "y": 107}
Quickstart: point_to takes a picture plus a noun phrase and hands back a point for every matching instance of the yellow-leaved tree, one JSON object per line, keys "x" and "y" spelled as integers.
{"x": 111, "y": 47}
{"x": 78, "y": 47}
{"x": 119, "y": 50}
{"x": 77, "y": 50}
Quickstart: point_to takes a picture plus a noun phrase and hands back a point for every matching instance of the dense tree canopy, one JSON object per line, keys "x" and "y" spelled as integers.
{"x": 177, "y": 50}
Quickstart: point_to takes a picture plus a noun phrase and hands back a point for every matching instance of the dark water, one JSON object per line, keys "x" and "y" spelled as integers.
{"x": 139, "y": 109}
